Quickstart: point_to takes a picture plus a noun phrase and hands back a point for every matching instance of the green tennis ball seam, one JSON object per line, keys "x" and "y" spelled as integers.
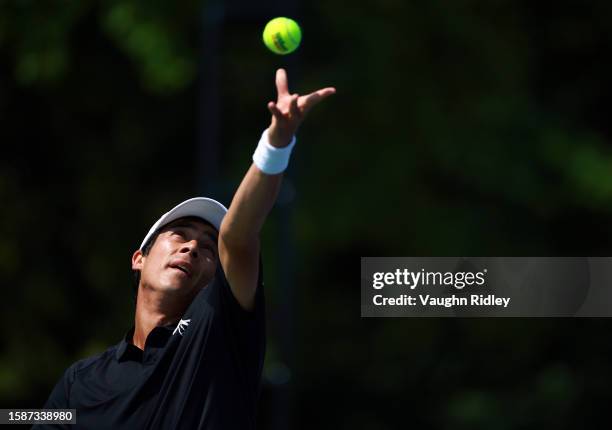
{"x": 277, "y": 41}
{"x": 290, "y": 27}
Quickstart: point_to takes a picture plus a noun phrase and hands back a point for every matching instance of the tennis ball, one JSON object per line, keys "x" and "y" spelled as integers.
{"x": 282, "y": 35}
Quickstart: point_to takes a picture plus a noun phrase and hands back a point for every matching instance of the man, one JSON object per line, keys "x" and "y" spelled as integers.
{"x": 194, "y": 356}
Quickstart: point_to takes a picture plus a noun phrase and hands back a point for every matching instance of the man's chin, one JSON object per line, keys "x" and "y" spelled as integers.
{"x": 179, "y": 286}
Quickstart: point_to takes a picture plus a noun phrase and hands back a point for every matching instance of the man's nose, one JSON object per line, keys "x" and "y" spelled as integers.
{"x": 191, "y": 247}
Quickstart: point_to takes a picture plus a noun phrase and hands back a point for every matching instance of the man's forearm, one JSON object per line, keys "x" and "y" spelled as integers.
{"x": 239, "y": 244}
{"x": 250, "y": 206}
{"x": 258, "y": 191}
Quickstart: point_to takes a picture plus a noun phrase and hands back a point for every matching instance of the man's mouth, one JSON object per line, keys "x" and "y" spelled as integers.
{"x": 183, "y": 267}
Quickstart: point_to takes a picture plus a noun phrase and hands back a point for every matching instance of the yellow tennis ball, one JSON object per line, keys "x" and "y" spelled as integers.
{"x": 282, "y": 35}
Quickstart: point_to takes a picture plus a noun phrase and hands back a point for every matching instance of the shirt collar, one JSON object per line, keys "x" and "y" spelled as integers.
{"x": 122, "y": 347}
{"x": 158, "y": 337}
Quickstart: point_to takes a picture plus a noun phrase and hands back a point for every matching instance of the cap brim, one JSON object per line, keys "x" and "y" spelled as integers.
{"x": 202, "y": 207}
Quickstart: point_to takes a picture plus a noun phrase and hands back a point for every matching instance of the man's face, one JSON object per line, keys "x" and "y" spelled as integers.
{"x": 182, "y": 260}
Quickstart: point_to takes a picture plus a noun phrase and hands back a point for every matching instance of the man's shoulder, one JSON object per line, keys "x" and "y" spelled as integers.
{"x": 88, "y": 363}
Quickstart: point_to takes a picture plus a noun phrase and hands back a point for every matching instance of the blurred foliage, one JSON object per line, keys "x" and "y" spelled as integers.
{"x": 154, "y": 35}
{"x": 459, "y": 128}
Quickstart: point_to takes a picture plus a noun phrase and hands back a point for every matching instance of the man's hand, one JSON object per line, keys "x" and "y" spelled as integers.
{"x": 289, "y": 110}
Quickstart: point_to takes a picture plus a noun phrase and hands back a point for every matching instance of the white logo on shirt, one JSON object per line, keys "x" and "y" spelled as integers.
{"x": 180, "y": 328}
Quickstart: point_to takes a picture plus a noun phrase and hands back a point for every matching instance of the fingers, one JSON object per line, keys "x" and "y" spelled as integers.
{"x": 282, "y": 86}
{"x": 274, "y": 110}
{"x": 325, "y": 92}
{"x": 286, "y": 111}
{"x": 292, "y": 107}
{"x": 294, "y": 110}
{"x": 310, "y": 100}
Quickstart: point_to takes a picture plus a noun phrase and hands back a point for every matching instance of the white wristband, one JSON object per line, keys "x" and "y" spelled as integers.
{"x": 270, "y": 159}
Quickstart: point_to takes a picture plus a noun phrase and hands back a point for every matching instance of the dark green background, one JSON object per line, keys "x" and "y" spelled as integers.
{"x": 459, "y": 128}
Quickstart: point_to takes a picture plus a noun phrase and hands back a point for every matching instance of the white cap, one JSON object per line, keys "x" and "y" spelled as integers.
{"x": 202, "y": 207}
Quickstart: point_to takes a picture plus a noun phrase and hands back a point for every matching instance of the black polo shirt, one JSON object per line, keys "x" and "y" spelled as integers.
{"x": 202, "y": 373}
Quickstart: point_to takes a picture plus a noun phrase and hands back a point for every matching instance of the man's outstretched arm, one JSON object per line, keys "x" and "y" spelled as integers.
{"x": 241, "y": 227}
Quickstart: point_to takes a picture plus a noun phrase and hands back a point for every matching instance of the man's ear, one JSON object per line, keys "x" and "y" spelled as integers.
{"x": 137, "y": 260}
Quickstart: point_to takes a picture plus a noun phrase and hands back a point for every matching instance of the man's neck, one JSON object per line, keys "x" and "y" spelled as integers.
{"x": 154, "y": 309}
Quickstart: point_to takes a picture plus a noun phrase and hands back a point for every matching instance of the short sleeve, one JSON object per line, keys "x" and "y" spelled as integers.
{"x": 246, "y": 328}
{"x": 232, "y": 305}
